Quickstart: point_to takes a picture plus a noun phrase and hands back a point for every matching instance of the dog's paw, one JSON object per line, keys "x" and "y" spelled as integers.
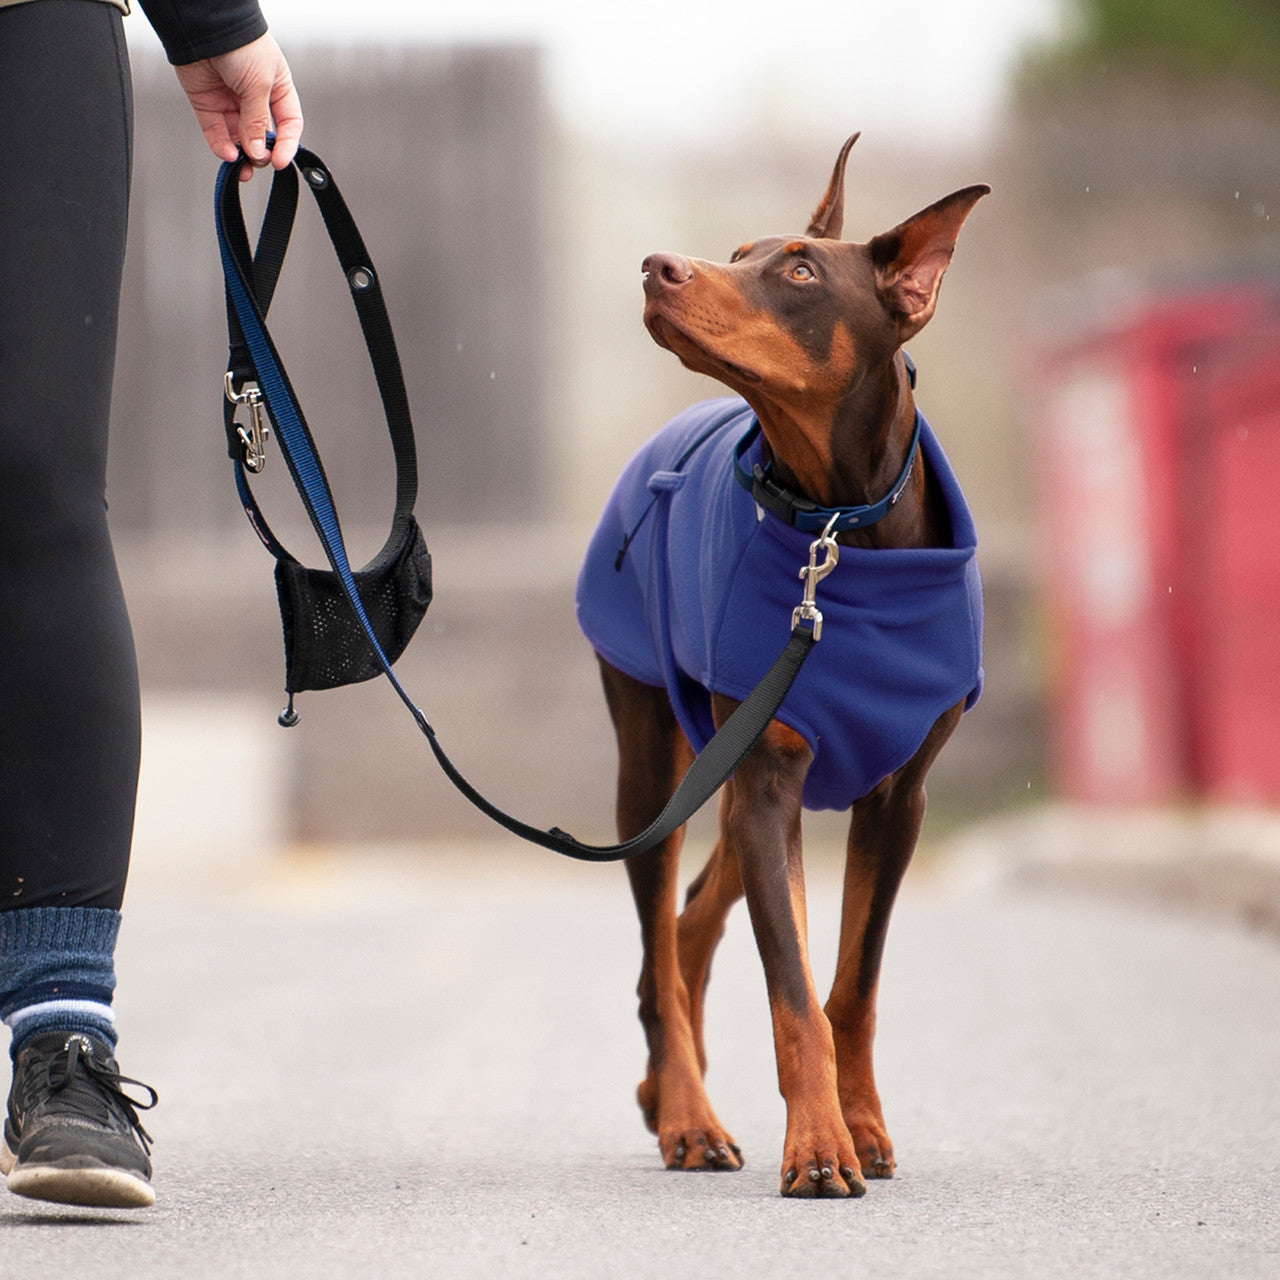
{"x": 821, "y": 1169}
{"x": 822, "y": 1181}
{"x": 878, "y": 1161}
{"x": 875, "y": 1151}
{"x": 693, "y": 1149}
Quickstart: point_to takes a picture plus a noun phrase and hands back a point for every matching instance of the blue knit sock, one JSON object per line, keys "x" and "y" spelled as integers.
{"x": 57, "y": 971}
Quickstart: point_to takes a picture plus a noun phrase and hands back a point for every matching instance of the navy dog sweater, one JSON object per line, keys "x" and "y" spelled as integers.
{"x": 687, "y": 586}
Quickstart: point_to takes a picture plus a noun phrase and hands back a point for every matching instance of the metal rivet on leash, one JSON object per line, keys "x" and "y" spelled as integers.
{"x": 360, "y": 279}
{"x": 317, "y": 177}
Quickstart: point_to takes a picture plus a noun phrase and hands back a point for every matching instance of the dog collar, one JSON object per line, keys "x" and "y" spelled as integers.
{"x": 803, "y": 514}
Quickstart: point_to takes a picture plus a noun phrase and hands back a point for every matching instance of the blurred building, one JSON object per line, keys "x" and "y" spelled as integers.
{"x": 441, "y": 156}
{"x": 1146, "y": 245}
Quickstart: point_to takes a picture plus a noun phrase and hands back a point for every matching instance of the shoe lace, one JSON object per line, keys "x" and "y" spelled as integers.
{"x": 84, "y": 1084}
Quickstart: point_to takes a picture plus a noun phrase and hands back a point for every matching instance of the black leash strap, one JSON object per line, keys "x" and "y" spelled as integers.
{"x": 711, "y": 769}
{"x": 250, "y": 281}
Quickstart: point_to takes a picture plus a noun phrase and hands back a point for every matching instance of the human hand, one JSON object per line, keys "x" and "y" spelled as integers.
{"x": 237, "y": 95}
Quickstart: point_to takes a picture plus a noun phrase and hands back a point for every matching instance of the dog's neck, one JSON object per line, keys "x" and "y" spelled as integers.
{"x": 856, "y": 457}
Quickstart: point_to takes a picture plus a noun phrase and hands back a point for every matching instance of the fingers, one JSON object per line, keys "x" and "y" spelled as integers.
{"x": 214, "y": 127}
{"x": 286, "y": 111}
{"x": 237, "y": 95}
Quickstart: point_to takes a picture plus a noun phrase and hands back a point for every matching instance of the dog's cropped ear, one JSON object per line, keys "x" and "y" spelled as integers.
{"x": 910, "y": 260}
{"x": 828, "y": 218}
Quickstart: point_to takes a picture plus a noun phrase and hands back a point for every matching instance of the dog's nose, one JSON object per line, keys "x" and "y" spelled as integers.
{"x": 662, "y": 270}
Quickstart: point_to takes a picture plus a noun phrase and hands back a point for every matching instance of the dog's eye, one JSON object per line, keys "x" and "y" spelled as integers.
{"x": 802, "y": 271}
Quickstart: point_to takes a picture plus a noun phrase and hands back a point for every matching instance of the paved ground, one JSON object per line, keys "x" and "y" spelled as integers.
{"x": 1213, "y": 861}
{"x": 425, "y": 1068}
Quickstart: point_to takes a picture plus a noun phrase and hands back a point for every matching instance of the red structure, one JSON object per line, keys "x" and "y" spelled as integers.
{"x": 1158, "y": 460}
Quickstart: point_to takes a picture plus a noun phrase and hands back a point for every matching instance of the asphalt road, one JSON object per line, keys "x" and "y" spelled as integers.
{"x": 392, "y": 1068}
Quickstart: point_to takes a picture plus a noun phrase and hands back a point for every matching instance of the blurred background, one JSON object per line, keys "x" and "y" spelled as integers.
{"x": 1104, "y": 372}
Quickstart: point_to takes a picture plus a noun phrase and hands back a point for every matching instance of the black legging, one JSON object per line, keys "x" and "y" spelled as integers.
{"x": 69, "y": 724}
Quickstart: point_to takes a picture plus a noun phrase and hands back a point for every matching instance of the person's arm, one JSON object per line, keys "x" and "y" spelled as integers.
{"x": 192, "y": 30}
{"x": 234, "y": 75}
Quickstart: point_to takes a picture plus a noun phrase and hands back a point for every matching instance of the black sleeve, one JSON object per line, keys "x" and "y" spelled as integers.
{"x": 194, "y": 29}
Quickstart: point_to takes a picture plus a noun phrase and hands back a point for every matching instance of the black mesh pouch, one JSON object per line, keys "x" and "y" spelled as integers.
{"x": 324, "y": 644}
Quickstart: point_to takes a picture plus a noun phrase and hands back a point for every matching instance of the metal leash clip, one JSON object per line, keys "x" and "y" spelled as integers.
{"x": 813, "y": 573}
{"x": 255, "y": 436}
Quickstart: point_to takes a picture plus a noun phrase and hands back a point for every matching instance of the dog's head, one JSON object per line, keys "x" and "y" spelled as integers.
{"x": 794, "y": 323}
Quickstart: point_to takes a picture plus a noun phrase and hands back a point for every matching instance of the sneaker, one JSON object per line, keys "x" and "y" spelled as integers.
{"x": 72, "y": 1134}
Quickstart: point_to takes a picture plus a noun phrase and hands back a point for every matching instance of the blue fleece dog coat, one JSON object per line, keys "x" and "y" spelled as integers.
{"x": 701, "y": 603}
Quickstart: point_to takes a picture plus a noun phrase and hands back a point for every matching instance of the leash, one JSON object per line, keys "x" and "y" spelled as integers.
{"x": 256, "y": 380}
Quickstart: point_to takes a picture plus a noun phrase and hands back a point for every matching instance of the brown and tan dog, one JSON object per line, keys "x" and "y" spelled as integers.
{"x": 807, "y": 330}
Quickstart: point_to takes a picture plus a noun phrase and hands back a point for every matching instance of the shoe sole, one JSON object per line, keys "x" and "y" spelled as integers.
{"x": 94, "y": 1185}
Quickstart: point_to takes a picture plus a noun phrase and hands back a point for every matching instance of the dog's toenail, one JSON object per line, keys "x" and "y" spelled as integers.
{"x": 826, "y": 1172}
{"x": 846, "y": 1173}
{"x": 814, "y": 1175}
{"x": 791, "y": 1177}
{"x": 680, "y": 1153}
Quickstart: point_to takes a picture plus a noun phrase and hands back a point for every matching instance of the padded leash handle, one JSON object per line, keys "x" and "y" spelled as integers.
{"x": 250, "y": 281}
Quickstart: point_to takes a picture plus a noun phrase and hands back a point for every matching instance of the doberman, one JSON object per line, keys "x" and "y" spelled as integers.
{"x": 807, "y": 330}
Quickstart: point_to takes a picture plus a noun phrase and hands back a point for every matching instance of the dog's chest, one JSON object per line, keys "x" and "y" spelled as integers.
{"x": 702, "y": 599}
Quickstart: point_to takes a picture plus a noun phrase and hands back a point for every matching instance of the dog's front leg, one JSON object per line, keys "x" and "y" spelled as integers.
{"x": 652, "y": 753}
{"x": 819, "y": 1158}
{"x": 883, "y": 831}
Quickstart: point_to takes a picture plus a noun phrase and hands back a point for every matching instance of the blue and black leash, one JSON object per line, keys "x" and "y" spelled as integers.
{"x": 256, "y": 378}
